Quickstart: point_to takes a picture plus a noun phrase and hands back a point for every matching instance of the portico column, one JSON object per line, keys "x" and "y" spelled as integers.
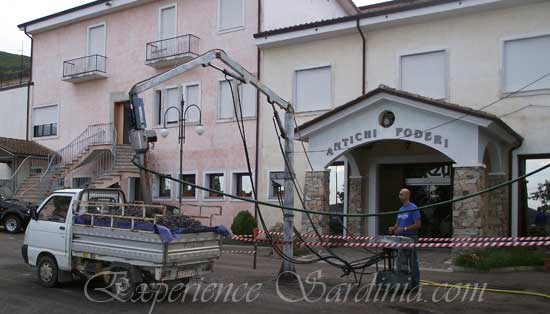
{"x": 317, "y": 194}
{"x": 468, "y": 214}
{"x": 498, "y": 217}
{"x": 356, "y": 225}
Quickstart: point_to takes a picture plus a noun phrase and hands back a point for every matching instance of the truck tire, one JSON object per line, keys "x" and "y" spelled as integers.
{"x": 122, "y": 285}
{"x": 12, "y": 224}
{"x": 48, "y": 271}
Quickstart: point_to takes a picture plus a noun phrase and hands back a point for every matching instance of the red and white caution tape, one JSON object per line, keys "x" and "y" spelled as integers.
{"x": 429, "y": 245}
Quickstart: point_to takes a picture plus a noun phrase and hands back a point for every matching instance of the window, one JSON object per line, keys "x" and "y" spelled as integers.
{"x": 188, "y": 191}
{"x": 216, "y": 182}
{"x": 158, "y": 107}
{"x": 163, "y": 187}
{"x": 276, "y": 185}
{"x": 313, "y": 90}
{"x": 534, "y": 195}
{"x": 425, "y": 74}
{"x": 246, "y": 95}
{"x": 230, "y": 15}
{"x": 242, "y": 184}
{"x": 525, "y": 61}
{"x": 192, "y": 97}
{"x": 55, "y": 209}
{"x": 168, "y": 22}
{"x": 45, "y": 121}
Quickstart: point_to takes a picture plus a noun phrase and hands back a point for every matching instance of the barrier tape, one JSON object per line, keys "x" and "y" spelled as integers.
{"x": 238, "y": 252}
{"x": 368, "y": 238}
{"x": 538, "y": 241}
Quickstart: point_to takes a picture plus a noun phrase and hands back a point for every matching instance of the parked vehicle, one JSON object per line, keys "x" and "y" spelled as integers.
{"x": 86, "y": 232}
{"x": 14, "y": 214}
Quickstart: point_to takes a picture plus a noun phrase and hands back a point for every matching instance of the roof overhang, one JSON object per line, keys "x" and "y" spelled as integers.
{"x": 379, "y": 19}
{"x": 77, "y": 14}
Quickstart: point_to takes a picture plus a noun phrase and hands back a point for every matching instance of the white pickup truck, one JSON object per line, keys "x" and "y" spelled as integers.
{"x": 85, "y": 232}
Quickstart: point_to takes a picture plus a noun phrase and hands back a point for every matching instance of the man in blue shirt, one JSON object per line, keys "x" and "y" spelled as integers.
{"x": 408, "y": 223}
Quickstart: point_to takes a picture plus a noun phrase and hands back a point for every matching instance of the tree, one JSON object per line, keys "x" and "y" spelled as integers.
{"x": 542, "y": 194}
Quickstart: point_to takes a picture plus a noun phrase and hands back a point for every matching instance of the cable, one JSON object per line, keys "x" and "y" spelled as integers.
{"x": 468, "y": 287}
{"x": 379, "y": 213}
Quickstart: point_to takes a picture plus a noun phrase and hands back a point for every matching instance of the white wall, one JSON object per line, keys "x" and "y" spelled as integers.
{"x": 13, "y": 112}
{"x": 283, "y": 13}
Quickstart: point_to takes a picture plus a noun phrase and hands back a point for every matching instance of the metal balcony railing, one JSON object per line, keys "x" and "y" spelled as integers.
{"x": 88, "y": 64}
{"x": 172, "y": 47}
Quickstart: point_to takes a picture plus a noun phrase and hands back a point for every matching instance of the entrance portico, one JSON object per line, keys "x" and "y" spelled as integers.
{"x": 388, "y": 139}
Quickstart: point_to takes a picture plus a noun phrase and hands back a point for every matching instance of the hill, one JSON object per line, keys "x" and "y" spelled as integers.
{"x": 11, "y": 63}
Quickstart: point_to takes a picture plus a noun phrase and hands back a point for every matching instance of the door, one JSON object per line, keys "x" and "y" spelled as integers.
{"x": 167, "y": 32}
{"x": 49, "y": 233}
{"x": 122, "y": 119}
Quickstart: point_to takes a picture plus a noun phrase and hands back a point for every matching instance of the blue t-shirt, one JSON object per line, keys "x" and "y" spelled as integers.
{"x": 407, "y": 219}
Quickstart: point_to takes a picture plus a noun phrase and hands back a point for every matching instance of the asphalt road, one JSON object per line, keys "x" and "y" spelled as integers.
{"x": 20, "y": 292}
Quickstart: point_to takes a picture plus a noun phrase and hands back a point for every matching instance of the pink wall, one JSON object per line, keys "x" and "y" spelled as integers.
{"x": 127, "y": 33}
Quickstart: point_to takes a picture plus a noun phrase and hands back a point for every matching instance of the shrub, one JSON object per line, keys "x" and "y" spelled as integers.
{"x": 243, "y": 223}
{"x": 500, "y": 257}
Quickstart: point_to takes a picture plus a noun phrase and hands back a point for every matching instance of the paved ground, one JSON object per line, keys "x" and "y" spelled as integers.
{"x": 21, "y": 293}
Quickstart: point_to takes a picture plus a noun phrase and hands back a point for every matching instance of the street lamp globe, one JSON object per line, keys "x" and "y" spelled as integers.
{"x": 199, "y": 129}
{"x": 164, "y": 132}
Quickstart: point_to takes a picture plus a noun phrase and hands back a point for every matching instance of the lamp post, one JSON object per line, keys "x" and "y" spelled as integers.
{"x": 182, "y": 119}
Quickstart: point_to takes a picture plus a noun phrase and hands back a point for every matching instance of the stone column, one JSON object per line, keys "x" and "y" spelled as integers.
{"x": 468, "y": 214}
{"x": 356, "y": 225}
{"x": 317, "y": 195}
{"x": 497, "y": 217}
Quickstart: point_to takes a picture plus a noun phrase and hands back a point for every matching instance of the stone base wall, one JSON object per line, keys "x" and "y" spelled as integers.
{"x": 317, "y": 195}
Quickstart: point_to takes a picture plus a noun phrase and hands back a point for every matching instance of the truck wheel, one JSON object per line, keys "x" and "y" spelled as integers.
{"x": 12, "y": 224}
{"x": 122, "y": 285}
{"x": 47, "y": 271}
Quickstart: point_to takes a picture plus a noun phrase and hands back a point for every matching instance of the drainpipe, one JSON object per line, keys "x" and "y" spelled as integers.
{"x": 29, "y": 86}
{"x": 257, "y": 150}
{"x": 510, "y": 177}
{"x": 364, "y": 56}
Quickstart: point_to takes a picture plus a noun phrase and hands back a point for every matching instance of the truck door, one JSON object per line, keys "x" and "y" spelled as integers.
{"x": 49, "y": 233}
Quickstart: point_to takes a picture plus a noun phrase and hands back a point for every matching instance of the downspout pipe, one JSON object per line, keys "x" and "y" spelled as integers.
{"x": 364, "y": 57}
{"x": 29, "y": 84}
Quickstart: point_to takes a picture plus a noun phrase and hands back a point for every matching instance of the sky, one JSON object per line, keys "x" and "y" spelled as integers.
{"x": 16, "y": 12}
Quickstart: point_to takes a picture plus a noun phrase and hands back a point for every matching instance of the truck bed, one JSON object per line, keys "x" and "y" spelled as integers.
{"x": 144, "y": 248}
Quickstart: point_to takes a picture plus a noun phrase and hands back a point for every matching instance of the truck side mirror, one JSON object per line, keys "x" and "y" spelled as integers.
{"x": 34, "y": 214}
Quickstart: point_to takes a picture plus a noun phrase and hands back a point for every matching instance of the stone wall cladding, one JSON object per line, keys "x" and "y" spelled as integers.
{"x": 497, "y": 218}
{"x": 317, "y": 194}
{"x": 468, "y": 215}
{"x": 355, "y": 225}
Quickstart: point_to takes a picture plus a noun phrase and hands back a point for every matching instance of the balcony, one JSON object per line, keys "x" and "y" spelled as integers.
{"x": 85, "y": 69}
{"x": 172, "y": 51}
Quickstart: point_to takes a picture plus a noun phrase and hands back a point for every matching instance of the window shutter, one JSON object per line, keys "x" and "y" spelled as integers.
{"x": 231, "y": 14}
{"x": 44, "y": 115}
{"x": 192, "y": 98}
{"x": 248, "y": 100}
{"x": 225, "y": 110}
{"x": 96, "y": 37}
{"x": 314, "y": 89}
{"x": 425, "y": 74}
{"x": 172, "y": 99}
{"x": 525, "y": 61}
{"x": 168, "y": 23}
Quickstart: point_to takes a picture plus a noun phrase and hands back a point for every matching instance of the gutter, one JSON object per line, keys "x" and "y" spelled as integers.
{"x": 364, "y": 56}
{"x": 29, "y": 85}
{"x": 257, "y": 140}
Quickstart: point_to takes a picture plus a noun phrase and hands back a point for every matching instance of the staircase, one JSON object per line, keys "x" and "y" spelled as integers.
{"x": 122, "y": 169}
{"x": 93, "y": 155}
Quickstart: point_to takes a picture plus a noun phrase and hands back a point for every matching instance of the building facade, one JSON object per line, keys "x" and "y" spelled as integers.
{"x": 86, "y": 60}
{"x": 443, "y": 97}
